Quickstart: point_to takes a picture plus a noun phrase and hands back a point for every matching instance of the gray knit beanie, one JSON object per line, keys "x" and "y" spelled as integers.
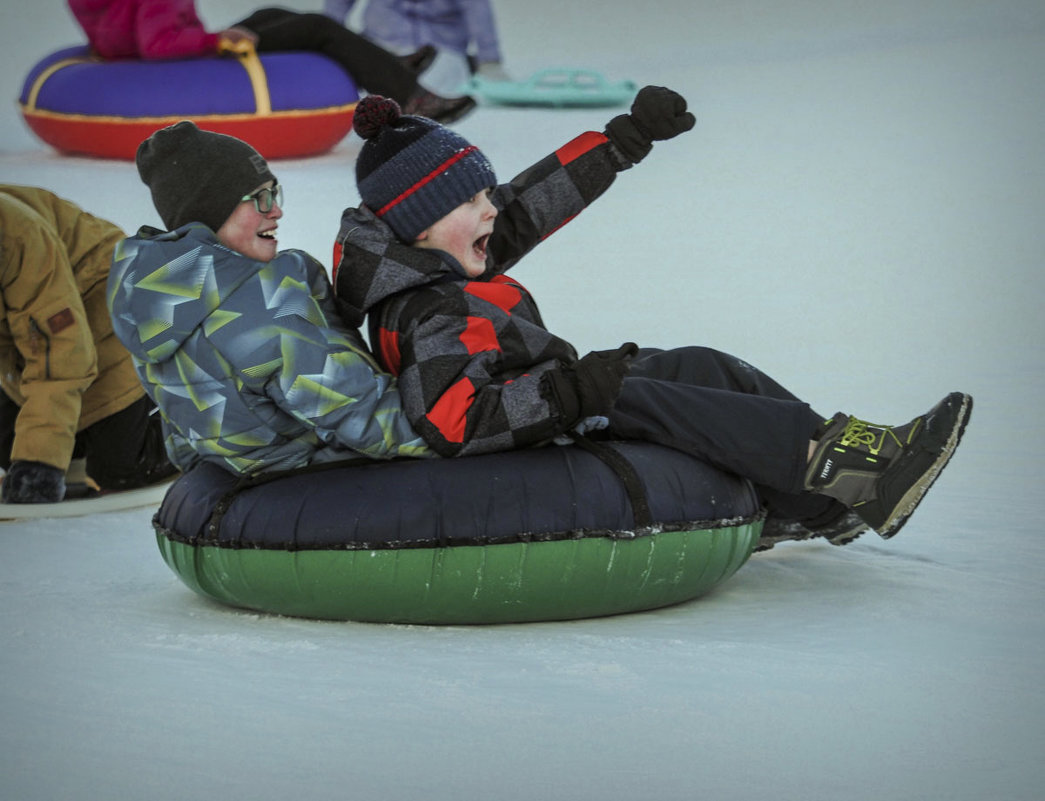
{"x": 412, "y": 171}
{"x": 198, "y": 176}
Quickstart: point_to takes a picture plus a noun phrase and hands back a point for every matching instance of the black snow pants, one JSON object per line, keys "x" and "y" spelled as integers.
{"x": 370, "y": 66}
{"x": 733, "y": 416}
{"x": 123, "y": 451}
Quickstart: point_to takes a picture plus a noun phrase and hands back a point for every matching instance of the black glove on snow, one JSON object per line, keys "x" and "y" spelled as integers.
{"x": 657, "y": 113}
{"x": 590, "y": 387}
{"x": 32, "y": 482}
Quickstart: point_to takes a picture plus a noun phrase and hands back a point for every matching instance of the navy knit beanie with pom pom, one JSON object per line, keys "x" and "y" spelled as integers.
{"x": 411, "y": 171}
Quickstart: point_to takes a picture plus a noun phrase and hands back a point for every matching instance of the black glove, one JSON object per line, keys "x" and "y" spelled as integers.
{"x": 590, "y": 387}
{"x": 657, "y": 113}
{"x": 32, "y": 482}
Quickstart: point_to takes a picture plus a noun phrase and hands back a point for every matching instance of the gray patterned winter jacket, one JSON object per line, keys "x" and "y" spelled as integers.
{"x": 248, "y": 361}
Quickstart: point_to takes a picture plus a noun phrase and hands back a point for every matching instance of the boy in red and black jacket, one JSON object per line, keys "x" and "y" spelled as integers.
{"x": 425, "y": 258}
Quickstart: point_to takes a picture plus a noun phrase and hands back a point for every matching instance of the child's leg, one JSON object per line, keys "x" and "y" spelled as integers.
{"x": 125, "y": 450}
{"x": 763, "y": 439}
{"x": 721, "y": 409}
{"x": 371, "y": 67}
{"x": 770, "y": 460}
{"x": 707, "y": 367}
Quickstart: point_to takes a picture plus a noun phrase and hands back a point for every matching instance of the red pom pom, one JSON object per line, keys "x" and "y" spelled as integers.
{"x": 373, "y": 113}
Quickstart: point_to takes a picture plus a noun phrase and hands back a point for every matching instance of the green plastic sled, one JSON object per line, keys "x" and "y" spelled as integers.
{"x": 560, "y": 88}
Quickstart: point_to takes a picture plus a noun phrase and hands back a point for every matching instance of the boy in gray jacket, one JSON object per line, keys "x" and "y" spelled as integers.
{"x": 239, "y": 344}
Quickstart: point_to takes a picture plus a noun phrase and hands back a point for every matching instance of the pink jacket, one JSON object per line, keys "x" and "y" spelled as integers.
{"x": 144, "y": 28}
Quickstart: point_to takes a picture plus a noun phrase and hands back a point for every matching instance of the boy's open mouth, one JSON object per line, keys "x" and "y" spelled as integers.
{"x": 479, "y": 246}
{"x": 269, "y": 234}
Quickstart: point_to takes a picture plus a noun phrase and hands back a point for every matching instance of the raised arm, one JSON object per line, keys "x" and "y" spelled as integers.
{"x": 549, "y": 194}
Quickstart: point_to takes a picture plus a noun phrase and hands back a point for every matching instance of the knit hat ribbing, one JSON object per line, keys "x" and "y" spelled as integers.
{"x": 412, "y": 171}
{"x": 198, "y": 176}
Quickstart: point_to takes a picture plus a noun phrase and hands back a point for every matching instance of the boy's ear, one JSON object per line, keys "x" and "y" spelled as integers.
{"x": 422, "y": 236}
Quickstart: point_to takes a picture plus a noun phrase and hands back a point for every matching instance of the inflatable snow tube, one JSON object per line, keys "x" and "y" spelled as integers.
{"x": 552, "y": 533}
{"x": 286, "y": 105}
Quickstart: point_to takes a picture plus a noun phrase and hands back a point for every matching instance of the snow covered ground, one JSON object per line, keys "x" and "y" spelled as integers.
{"x": 860, "y": 212}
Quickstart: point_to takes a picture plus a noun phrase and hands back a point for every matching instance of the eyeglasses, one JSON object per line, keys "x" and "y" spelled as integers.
{"x": 265, "y": 198}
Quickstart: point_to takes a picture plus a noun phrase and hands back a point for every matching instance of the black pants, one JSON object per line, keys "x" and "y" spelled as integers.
{"x": 730, "y": 414}
{"x": 371, "y": 67}
{"x": 123, "y": 451}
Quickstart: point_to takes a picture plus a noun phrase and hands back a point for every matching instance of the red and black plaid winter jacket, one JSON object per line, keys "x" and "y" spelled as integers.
{"x": 471, "y": 353}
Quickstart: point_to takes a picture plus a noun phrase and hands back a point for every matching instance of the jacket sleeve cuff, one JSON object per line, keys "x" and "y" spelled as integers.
{"x": 627, "y": 139}
{"x": 560, "y": 393}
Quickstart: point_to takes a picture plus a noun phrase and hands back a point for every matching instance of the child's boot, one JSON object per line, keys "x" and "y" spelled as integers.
{"x": 881, "y": 472}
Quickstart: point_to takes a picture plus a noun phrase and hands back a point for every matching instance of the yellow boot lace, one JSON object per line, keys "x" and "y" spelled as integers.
{"x": 872, "y": 436}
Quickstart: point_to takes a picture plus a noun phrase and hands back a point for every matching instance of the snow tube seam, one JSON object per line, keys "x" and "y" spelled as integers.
{"x": 210, "y": 539}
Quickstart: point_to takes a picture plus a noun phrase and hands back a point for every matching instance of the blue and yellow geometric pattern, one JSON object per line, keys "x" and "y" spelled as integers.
{"x": 247, "y": 361}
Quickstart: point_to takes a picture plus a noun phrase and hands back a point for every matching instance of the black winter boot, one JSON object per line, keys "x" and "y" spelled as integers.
{"x": 881, "y": 472}
{"x": 441, "y": 109}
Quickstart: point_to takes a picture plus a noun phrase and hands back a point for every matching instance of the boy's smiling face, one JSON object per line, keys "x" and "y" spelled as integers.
{"x": 251, "y": 232}
{"x": 463, "y": 233}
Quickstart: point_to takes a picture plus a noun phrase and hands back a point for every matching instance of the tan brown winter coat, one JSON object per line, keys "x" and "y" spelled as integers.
{"x": 59, "y": 359}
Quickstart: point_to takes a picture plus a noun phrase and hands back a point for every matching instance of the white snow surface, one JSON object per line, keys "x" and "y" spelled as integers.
{"x": 860, "y": 211}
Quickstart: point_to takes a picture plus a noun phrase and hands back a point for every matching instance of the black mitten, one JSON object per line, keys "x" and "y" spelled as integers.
{"x": 656, "y": 113}
{"x": 590, "y": 387}
{"x": 32, "y": 482}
